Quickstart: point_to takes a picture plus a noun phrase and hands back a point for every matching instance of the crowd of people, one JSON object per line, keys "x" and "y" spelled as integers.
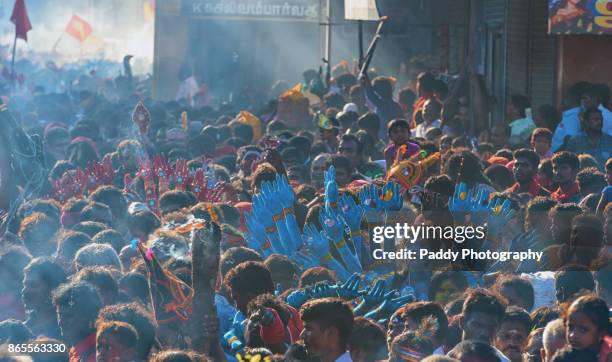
{"x": 143, "y": 230}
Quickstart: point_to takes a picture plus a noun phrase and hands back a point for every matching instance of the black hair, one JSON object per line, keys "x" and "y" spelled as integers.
{"x": 352, "y": 138}
{"x": 469, "y": 348}
{"x": 249, "y": 278}
{"x": 80, "y": 296}
{"x": 302, "y": 143}
{"x": 98, "y": 212}
{"x": 595, "y": 309}
{"x": 518, "y": 315}
{"x": 278, "y": 263}
{"x": 14, "y": 332}
{"x": 60, "y": 167}
{"x": 571, "y": 279}
{"x": 521, "y": 103}
{"x": 567, "y": 158}
{"x": 81, "y": 154}
{"x": 48, "y": 270}
{"x": 100, "y": 277}
{"x": 568, "y": 354}
{"x": 330, "y": 312}
{"x": 528, "y": 154}
{"x": 177, "y": 198}
{"x": 419, "y": 311}
{"x": 111, "y": 237}
{"x": 334, "y": 100}
{"x": 316, "y": 274}
{"x": 590, "y": 180}
{"x": 397, "y": 123}
{"x": 111, "y": 197}
{"x": 137, "y": 316}
{"x": 481, "y": 300}
{"x": 136, "y": 286}
{"x": 236, "y": 255}
{"x": 456, "y": 277}
{"x": 339, "y": 161}
{"x": 242, "y": 131}
{"x": 406, "y": 96}
{"x": 369, "y": 121}
{"x": 369, "y": 337}
{"x": 426, "y": 81}
{"x": 523, "y": 288}
{"x": 543, "y": 315}
{"x": 90, "y": 228}
{"x": 500, "y": 176}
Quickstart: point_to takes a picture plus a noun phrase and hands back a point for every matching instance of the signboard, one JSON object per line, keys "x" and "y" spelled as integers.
{"x": 293, "y": 10}
{"x": 580, "y": 17}
{"x": 360, "y": 10}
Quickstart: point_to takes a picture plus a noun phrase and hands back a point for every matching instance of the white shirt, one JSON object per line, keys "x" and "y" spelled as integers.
{"x": 346, "y": 357}
{"x": 422, "y": 129}
{"x": 570, "y": 125}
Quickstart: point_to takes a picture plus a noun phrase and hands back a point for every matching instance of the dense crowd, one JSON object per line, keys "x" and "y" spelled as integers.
{"x": 194, "y": 230}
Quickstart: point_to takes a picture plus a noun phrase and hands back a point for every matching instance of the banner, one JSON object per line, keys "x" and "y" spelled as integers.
{"x": 78, "y": 28}
{"x": 360, "y": 10}
{"x": 295, "y": 10}
{"x": 580, "y": 16}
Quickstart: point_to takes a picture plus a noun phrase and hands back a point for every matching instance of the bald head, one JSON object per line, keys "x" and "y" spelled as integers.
{"x": 553, "y": 339}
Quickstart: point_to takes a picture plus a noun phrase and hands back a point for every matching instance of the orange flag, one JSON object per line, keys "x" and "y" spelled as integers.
{"x": 78, "y": 28}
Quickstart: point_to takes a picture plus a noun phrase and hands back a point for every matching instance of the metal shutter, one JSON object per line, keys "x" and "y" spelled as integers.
{"x": 517, "y": 45}
{"x": 542, "y": 57}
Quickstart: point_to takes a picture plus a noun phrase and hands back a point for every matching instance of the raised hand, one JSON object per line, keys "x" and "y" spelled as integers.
{"x": 331, "y": 188}
{"x": 271, "y": 198}
{"x": 350, "y": 288}
{"x": 391, "y": 198}
{"x": 256, "y": 230}
{"x": 461, "y": 203}
{"x": 376, "y": 294}
{"x": 479, "y": 208}
{"x": 262, "y": 212}
{"x": 332, "y": 224}
{"x": 297, "y": 298}
{"x": 323, "y": 290}
{"x": 499, "y": 214}
{"x": 284, "y": 191}
{"x": 369, "y": 196}
{"x": 351, "y": 211}
{"x": 390, "y": 304}
{"x": 315, "y": 240}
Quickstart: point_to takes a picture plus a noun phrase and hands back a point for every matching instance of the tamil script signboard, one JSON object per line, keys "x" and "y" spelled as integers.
{"x": 292, "y": 10}
{"x": 580, "y": 17}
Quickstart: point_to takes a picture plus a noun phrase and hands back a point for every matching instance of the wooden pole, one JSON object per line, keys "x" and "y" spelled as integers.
{"x": 13, "y": 61}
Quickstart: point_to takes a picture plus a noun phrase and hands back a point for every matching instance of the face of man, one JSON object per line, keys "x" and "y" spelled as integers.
{"x": 586, "y": 101}
{"x": 328, "y": 135}
{"x": 609, "y": 175}
{"x": 57, "y": 147}
{"x": 593, "y": 123}
{"x": 35, "y": 292}
{"x": 343, "y": 176}
{"x": 431, "y": 111}
{"x": 480, "y": 326}
{"x": 523, "y": 170}
{"x": 399, "y": 135}
{"x": 499, "y": 137}
{"x": 350, "y": 151}
{"x": 315, "y": 339}
{"x": 72, "y": 324}
{"x": 318, "y": 170}
{"x": 541, "y": 145}
{"x": 563, "y": 173}
{"x": 108, "y": 348}
{"x": 511, "y": 339}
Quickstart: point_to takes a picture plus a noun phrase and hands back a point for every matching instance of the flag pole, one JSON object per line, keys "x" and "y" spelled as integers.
{"x": 54, "y": 49}
{"x": 13, "y": 61}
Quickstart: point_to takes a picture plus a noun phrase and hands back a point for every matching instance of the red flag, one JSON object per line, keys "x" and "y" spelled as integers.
{"x": 21, "y": 20}
{"x": 78, "y": 28}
